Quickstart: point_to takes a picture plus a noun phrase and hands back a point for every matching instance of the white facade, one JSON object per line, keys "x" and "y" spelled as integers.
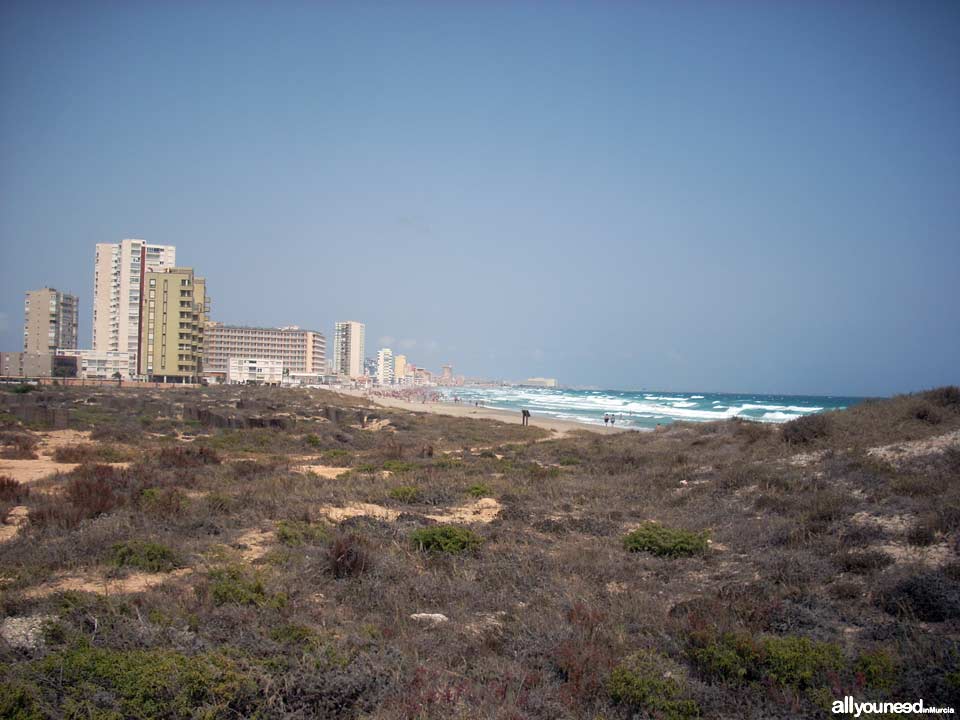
{"x": 348, "y": 348}
{"x": 385, "y": 366}
{"x": 94, "y": 365}
{"x": 541, "y": 382}
{"x": 260, "y": 371}
{"x": 116, "y": 291}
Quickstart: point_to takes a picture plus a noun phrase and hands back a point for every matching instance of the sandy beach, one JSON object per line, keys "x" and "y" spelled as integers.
{"x": 559, "y": 427}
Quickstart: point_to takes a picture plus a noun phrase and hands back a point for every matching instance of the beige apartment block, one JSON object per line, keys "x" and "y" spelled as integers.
{"x": 50, "y": 321}
{"x": 300, "y": 352}
{"x": 118, "y": 271}
{"x": 173, "y": 316}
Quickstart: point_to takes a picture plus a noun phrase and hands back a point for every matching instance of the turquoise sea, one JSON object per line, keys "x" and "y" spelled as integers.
{"x": 647, "y": 409}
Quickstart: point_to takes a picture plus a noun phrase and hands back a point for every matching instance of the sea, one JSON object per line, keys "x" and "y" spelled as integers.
{"x": 644, "y": 410}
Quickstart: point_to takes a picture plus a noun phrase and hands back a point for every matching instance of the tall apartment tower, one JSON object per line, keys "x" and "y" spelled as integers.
{"x": 173, "y": 314}
{"x": 385, "y": 366}
{"x": 118, "y": 271}
{"x": 399, "y": 368}
{"x": 49, "y": 321}
{"x": 348, "y": 348}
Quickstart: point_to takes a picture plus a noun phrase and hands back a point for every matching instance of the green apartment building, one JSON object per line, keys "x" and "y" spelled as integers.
{"x": 173, "y": 312}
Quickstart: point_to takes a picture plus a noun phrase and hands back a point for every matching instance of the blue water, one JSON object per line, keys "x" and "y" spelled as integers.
{"x": 647, "y": 409}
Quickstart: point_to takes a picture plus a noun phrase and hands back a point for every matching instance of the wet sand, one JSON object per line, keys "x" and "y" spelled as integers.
{"x": 559, "y": 427}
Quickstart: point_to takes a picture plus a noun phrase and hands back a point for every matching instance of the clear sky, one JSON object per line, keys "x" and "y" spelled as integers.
{"x": 744, "y": 196}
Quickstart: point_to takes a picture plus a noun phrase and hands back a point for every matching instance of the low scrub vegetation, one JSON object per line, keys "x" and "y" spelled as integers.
{"x": 446, "y": 539}
{"x": 664, "y": 541}
{"x": 389, "y": 593}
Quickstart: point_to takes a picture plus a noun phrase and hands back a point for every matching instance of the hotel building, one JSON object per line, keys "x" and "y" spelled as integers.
{"x": 50, "y": 321}
{"x": 348, "y": 349}
{"x": 118, "y": 271}
{"x": 173, "y": 315}
{"x": 300, "y": 352}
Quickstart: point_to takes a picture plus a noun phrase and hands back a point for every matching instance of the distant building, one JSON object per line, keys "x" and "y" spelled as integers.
{"x": 118, "y": 272}
{"x": 348, "y": 349}
{"x": 50, "y": 321}
{"x": 540, "y": 382}
{"x": 399, "y": 368}
{"x": 446, "y": 375}
{"x": 95, "y": 365}
{"x": 370, "y": 367}
{"x": 300, "y": 352}
{"x": 258, "y": 371}
{"x": 385, "y": 366}
{"x": 174, "y": 312}
{"x": 26, "y": 365}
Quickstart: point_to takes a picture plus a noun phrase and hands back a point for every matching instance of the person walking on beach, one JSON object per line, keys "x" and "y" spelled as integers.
{"x": 524, "y": 417}
{"x": 606, "y": 419}
{"x": 613, "y": 420}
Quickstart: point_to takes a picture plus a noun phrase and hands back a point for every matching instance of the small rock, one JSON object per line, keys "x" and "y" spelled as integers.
{"x": 25, "y": 633}
{"x": 430, "y": 618}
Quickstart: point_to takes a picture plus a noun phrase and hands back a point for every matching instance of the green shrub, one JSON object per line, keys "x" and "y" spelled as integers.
{"x": 446, "y": 539}
{"x": 799, "y": 662}
{"x": 19, "y": 702}
{"x": 478, "y": 490}
{"x": 149, "y": 684}
{"x": 313, "y": 441}
{"x": 663, "y": 541}
{"x": 569, "y": 461}
{"x": 648, "y": 682}
{"x": 292, "y": 634}
{"x": 233, "y": 586}
{"x": 406, "y": 493}
{"x": 733, "y": 658}
{"x": 806, "y": 429}
{"x": 878, "y": 668}
{"x": 297, "y": 532}
{"x": 143, "y": 555}
{"x": 399, "y": 466}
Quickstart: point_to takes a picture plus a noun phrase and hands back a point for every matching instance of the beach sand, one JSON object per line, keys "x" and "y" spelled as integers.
{"x": 558, "y": 427}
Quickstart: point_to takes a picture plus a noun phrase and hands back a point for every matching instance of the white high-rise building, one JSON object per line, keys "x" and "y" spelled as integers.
{"x": 118, "y": 269}
{"x": 385, "y": 366}
{"x": 348, "y": 348}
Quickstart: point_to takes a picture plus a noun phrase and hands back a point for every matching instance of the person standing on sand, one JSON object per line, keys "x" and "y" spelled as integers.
{"x": 613, "y": 420}
{"x": 606, "y": 419}
{"x": 524, "y": 417}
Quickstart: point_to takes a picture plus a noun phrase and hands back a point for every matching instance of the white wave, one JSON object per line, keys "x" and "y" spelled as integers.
{"x": 780, "y": 416}
{"x": 696, "y": 397}
{"x": 684, "y": 404}
{"x": 664, "y": 398}
{"x": 781, "y": 408}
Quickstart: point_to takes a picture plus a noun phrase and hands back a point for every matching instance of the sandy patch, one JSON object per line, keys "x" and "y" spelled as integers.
{"x": 806, "y": 459}
{"x": 932, "y": 555}
{"x": 16, "y": 518}
{"x": 256, "y": 542}
{"x": 483, "y": 510}
{"x": 98, "y": 583}
{"x": 906, "y": 450}
{"x": 27, "y": 471}
{"x": 380, "y": 426}
{"x": 357, "y": 509}
{"x": 324, "y": 471}
{"x": 891, "y": 523}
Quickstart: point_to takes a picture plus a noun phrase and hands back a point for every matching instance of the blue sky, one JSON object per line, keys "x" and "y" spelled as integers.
{"x": 744, "y": 196}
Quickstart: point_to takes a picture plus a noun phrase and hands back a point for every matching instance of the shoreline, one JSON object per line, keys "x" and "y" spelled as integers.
{"x": 560, "y": 427}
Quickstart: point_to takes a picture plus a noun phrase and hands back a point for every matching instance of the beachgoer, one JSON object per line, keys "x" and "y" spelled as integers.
{"x": 606, "y": 420}
{"x": 525, "y": 417}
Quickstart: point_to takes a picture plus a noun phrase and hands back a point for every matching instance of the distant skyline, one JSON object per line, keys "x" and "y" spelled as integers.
{"x": 734, "y": 196}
